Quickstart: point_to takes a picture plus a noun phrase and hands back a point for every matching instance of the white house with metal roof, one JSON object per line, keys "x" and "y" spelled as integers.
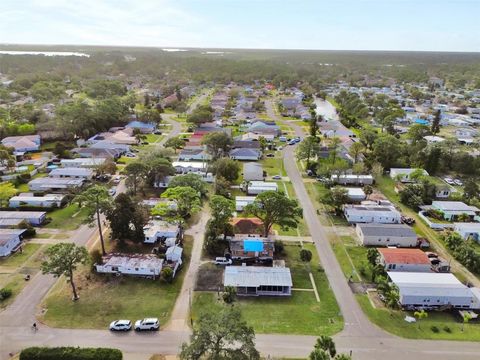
{"x": 10, "y": 239}
{"x": 468, "y": 230}
{"x": 258, "y": 187}
{"x": 131, "y": 264}
{"x": 452, "y": 209}
{"x": 54, "y": 184}
{"x": 423, "y": 290}
{"x": 156, "y": 230}
{"x": 258, "y": 281}
{"x": 242, "y": 201}
{"x": 45, "y": 201}
{"x": 72, "y": 173}
{"x": 82, "y": 162}
{"x": 371, "y": 213}
{"x": 32, "y": 217}
{"x": 403, "y": 174}
{"x": 399, "y": 235}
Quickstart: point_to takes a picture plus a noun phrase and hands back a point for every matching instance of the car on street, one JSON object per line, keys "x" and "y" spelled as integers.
{"x": 222, "y": 261}
{"x": 147, "y": 324}
{"x": 458, "y": 182}
{"x": 277, "y": 177}
{"x": 117, "y": 179}
{"x": 120, "y": 325}
{"x": 112, "y": 191}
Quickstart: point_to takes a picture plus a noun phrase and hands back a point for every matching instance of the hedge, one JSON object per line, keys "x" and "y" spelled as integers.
{"x": 70, "y": 353}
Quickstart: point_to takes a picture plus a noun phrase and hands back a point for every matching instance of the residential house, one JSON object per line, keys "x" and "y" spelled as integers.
{"x": 174, "y": 254}
{"x": 453, "y": 209}
{"x": 403, "y": 174}
{"x": 116, "y": 136}
{"x": 261, "y": 128}
{"x": 371, "y": 213}
{"x": 142, "y": 265}
{"x": 45, "y": 201}
{"x": 72, "y": 173}
{"x": 82, "y": 162}
{"x": 355, "y": 194}
{"x": 244, "y": 154}
{"x": 194, "y": 154}
{"x": 34, "y": 218}
{"x": 97, "y": 153}
{"x": 10, "y": 239}
{"x": 143, "y": 127}
{"x": 246, "y": 144}
{"x": 185, "y": 167}
{"x": 259, "y": 281}
{"x": 247, "y": 226}
{"x": 468, "y": 133}
{"x": 399, "y": 235}
{"x": 258, "y": 187}
{"x": 10, "y": 223}
{"x": 242, "y": 201}
{"x": 55, "y": 184}
{"x": 246, "y": 247}
{"x": 157, "y": 230}
{"x": 470, "y": 230}
{"x": 352, "y": 179}
{"x": 252, "y": 172}
{"x": 412, "y": 260}
{"x": 23, "y": 144}
{"x": 423, "y": 290}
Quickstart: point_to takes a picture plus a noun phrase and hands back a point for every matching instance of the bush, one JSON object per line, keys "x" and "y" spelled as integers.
{"x": 447, "y": 329}
{"x": 167, "y": 275}
{"x": 305, "y": 255}
{"x": 435, "y": 329}
{"x": 229, "y": 294}
{"x": 70, "y": 353}
{"x": 5, "y": 293}
{"x": 279, "y": 247}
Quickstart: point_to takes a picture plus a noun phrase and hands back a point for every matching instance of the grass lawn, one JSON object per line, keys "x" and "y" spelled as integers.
{"x": 273, "y": 166}
{"x": 67, "y": 218}
{"x": 153, "y": 138}
{"x": 287, "y": 187}
{"x": 298, "y": 314}
{"x": 393, "y": 322}
{"x": 18, "y": 258}
{"x": 106, "y": 298}
{"x": 16, "y": 283}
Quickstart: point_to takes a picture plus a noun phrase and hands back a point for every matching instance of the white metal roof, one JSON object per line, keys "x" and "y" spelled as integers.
{"x": 255, "y": 276}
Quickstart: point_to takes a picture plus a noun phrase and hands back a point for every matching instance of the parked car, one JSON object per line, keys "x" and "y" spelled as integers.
{"x": 158, "y": 132}
{"x": 117, "y": 179}
{"x": 270, "y": 155}
{"x": 222, "y": 261}
{"x": 130, "y": 155}
{"x": 449, "y": 181}
{"x": 120, "y": 325}
{"x": 147, "y": 324}
{"x": 277, "y": 177}
{"x": 458, "y": 182}
{"x": 112, "y": 191}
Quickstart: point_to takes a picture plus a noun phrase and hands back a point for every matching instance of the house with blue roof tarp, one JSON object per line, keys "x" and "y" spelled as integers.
{"x": 421, "y": 121}
{"x": 143, "y": 127}
{"x": 244, "y": 247}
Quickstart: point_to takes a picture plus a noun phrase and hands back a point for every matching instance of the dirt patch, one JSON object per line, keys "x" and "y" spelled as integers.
{"x": 361, "y": 288}
{"x": 375, "y": 300}
{"x": 209, "y": 278}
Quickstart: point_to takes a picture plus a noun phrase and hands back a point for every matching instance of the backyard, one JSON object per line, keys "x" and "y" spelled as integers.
{"x": 297, "y": 314}
{"x": 67, "y": 218}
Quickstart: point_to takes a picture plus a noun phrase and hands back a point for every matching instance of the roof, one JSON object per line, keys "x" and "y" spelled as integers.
{"x": 133, "y": 261}
{"x": 263, "y": 184}
{"x": 84, "y": 161}
{"x": 140, "y": 125}
{"x": 453, "y": 206}
{"x": 177, "y": 250}
{"x": 255, "y": 276}
{"x": 50, "y": 181}
{"x": 355, "y": 192}
{"x": 21, "y": 214}
{"x": 467, "y": 226}
{"x": 405, "y": 171}
{"x": 71, "y": 171}
{"x": 7, "y": 235}
{"x": 245, "y": 152}
{"x": 397, "y": 230}
{"x": 404, "y": 256}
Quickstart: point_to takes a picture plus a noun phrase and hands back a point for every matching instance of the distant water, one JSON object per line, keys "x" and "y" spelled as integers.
{"x": 46, "y": 53}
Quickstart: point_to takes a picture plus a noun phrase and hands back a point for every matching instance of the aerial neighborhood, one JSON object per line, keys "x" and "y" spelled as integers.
{"x": 183, "y": 199}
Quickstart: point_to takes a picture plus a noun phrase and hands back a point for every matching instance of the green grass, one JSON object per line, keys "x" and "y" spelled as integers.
{"x": 273, "y": 166}
{"x": 67, "y": 218}
{"x": 393, "y": 322}
{"x": 102, "y": 301}
{"x": 302, "y": 228}
{"x": 18, "y": 258}
{"x": 298, "y": 314}
{"x": 153, "y": 138}
{"x": 16, "y": 284}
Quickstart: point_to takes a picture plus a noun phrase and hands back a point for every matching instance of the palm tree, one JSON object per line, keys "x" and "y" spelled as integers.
{"x": 420, "y": 315}
{"x": 326, "y": 344}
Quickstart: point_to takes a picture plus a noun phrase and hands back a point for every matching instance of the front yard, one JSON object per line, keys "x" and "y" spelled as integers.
{"x": 67, "y": 218}
{"x": 449, "y": 325}
{"x": 105, "y": 298}
{"x": 297, "y": 314}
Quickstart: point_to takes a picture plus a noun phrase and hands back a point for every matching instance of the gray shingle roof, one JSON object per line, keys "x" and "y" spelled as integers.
{"x": 398, "y": 230}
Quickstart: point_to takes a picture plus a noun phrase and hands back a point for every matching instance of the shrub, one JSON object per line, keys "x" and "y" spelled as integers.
{"x": 167, "y": 275}
{"x": 96, "y": 257}
{"x": 229, "y": 294}
{"x": 435, "y": 329}
{"x": 70, "y": 353}
{"x": 5, "y": 293}
{"x": 305, "y": 255}
{"x": 447, "y": 329}
{"x": 279, "y": 247}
